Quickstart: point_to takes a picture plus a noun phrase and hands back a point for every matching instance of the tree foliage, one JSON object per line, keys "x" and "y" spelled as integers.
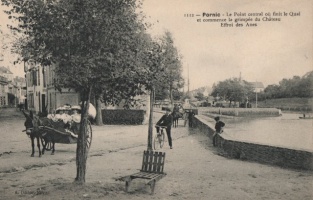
{"x": 200, "y": 96}
{"x": 232, "y": 90}
{"x": 294, "y": 87}
{"x": 172, "y": 79}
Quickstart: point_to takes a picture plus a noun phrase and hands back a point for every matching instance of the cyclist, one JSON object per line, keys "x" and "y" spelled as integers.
{"x": 166, "y": 120}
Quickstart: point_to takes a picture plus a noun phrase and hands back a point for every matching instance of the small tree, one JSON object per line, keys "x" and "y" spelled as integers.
{"x": 153, "y": 70}
{"x": 172, "y": 65}
{"x": 199, "y": 96}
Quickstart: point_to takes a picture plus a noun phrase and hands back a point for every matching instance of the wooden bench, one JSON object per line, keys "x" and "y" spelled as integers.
{"x": 151, "y": 169}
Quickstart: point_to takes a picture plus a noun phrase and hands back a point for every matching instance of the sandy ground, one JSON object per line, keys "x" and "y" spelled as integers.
{"x": 195, "y": 169}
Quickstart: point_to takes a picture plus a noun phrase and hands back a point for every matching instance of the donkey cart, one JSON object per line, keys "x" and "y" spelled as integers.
{"x": 50, "y": 131}
{"x": 57, "y": 132}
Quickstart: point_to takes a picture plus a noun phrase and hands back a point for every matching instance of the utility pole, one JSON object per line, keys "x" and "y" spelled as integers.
{"x": 188, "y": 82}
{"x": 256, "y": 99}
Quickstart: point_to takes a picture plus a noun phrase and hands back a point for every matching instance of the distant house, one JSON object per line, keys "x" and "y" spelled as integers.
{"x": 20, "y": 93}
{"x": 257, "y": 86}
{"x": 12, "y": 89}
{"x": 5, "y": 72}
{"x": 3, "y": 91}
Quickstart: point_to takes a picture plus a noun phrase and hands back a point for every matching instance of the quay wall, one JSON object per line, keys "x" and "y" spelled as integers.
{"x": 261, "y": 153}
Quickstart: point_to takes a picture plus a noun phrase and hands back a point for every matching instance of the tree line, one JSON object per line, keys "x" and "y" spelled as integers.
{"x": 236, "y": 90}
{"x": 293, "y": 87}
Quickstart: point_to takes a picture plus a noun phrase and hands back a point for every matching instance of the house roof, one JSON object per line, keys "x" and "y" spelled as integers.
{"x": 257, "y": 84}
{"x": 3, "y": 80}
{"x": 5, "y": 70}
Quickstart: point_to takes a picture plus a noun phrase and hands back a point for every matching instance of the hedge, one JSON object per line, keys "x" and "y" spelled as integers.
{"x": 122, "y": 116}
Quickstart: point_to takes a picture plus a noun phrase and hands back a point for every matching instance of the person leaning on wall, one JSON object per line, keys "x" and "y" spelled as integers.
{"x": 219, "y": 125}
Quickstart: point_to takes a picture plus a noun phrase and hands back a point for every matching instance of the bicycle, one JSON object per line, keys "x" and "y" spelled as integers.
{"x": 159, "y": 138}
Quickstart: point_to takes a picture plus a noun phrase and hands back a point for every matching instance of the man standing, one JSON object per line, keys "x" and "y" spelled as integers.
{"x": 166, "y": 120}
{"x": 191, "y": 114}
{"x": 218, "y": 129}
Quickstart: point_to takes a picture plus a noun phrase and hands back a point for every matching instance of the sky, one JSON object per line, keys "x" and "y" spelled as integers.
{"x": 269, "y": 52}
{"x": 6, "y": 39}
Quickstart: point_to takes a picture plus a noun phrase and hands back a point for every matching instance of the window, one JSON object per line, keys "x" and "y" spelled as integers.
{"x": 38, "y": 80}
{"x": 44, "y": 74}
{"x": 2, "y": 101}
{"x": 30, "y": 100}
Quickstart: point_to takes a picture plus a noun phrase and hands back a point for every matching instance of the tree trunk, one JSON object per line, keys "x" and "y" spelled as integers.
{"x": 81, "y": 150}
{"x": 150, "y": 129}
{"x": 99, "y": 121}
{"x": 171, "y": 96}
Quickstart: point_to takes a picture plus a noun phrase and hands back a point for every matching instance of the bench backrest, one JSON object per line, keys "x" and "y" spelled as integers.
{"x": 153, "y": 161}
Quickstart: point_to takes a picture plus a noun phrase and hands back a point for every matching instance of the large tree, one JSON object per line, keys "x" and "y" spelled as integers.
{"x": 93, "y": 45}
{"x": 232, "y": 90}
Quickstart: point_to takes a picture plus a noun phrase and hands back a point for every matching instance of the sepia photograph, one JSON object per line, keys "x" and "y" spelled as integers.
{"x": 156, "y": 99}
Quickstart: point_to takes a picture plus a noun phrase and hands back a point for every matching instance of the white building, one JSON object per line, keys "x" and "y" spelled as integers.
{"x": 257, "y": 86}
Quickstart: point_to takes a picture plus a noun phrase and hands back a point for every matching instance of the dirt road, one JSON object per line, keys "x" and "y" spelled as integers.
{"x": 194, "y": 168}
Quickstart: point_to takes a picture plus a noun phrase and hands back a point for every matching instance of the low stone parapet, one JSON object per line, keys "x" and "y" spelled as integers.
{"x": 262, "y": 153}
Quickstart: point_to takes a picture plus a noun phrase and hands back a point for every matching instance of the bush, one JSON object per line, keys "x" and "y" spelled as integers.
{"x": 122, "y": 116}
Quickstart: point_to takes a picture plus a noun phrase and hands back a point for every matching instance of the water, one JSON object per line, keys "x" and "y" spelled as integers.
{"x": 284, "y": 131}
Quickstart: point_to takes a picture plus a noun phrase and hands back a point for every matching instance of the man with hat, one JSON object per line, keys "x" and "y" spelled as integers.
{"x": 218, "y": 128}
{"x": 166, "y": 120}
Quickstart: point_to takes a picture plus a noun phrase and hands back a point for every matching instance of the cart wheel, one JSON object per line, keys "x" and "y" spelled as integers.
{"x": 48, "y": 147}
{"x": 89, "y": 135}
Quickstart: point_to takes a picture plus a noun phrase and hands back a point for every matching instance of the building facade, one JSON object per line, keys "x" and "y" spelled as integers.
{"x": 41, "y": 93}
{"x": 12, "y": 89}
{"x": 3, "y": 91}
{"x": 43, "y": 97}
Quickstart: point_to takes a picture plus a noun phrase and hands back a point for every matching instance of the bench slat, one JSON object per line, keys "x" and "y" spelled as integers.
{"x": 145, "y": 175}
{"x": 160, "y": 162}
{"x": 153, "y": 162}
{"x": 150, "y": 162}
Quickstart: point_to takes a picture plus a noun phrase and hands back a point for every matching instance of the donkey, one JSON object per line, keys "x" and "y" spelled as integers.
{"x": 178, "y": 112}
{"x": 47, "y": 136}
{"x": 176, "y": 115}
{"x": 32, "y": 133}
{"x": 32, "y": 124}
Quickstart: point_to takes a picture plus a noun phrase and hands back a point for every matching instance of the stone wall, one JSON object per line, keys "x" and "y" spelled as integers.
{"x": 280, "y": 156}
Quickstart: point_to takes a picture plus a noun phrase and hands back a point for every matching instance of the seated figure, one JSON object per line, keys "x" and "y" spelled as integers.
{"x": 76, "y": 116}
{"x": 52, "y": 116}
{"x": 75, "y": 119}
